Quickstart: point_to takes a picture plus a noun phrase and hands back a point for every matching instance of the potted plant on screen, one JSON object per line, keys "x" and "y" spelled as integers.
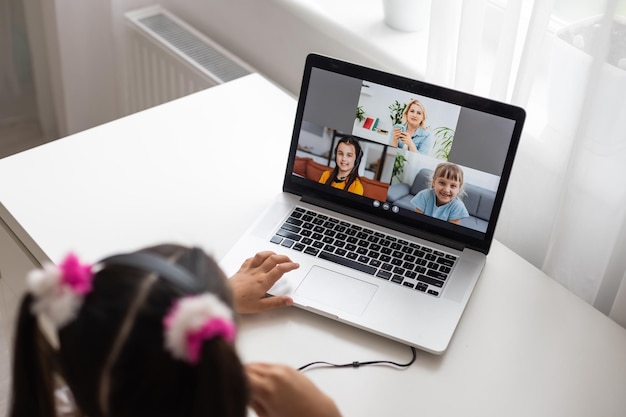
{"x": 443, "y": 142}
{"x": 360, "y": 114}
{"x": 395, "y": 112}
{"x": 398, "y": 167}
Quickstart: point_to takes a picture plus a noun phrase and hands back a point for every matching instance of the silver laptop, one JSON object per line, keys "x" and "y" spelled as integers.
{"x": 390, "y": 200}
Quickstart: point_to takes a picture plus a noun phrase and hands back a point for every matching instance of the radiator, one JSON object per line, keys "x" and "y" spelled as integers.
{"x": 167, "y": 59}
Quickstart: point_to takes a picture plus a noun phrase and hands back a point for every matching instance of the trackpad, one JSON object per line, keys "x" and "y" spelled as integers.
{"x": 336, "y": 290}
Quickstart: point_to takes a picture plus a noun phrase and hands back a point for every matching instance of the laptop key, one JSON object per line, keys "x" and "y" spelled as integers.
{"x": 384, "y": 242}
{"x": 311, "y": 251}
{"x": 292, "y": 220}
{"x": 347, "y": 262}
{"x": 290, "y": 226}
{"x": 397, "y": 279}
{"x": 289, "y": 235}
{"x": 383, "y": 274}
{"x": 436, "y": 274}
{"x": 398, "y": 270}
{"x": 445, "y": 261}
{"x": 430, "y": 280}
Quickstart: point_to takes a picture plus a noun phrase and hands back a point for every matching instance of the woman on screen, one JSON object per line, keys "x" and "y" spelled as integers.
{"x": 412, "y": 131}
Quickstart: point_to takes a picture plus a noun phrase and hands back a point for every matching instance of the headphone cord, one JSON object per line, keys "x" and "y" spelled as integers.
{"x": 357, "y": 364}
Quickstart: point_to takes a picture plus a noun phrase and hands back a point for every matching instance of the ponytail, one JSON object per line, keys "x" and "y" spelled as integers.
{"x": 33, "y": 368}
{"x": 120, "y": 354}
{"x": 222, "y": 388}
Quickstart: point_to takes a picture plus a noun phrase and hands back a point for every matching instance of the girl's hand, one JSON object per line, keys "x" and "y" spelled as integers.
{"x": 255, "y": 277}
{"x": 281, "y": 391}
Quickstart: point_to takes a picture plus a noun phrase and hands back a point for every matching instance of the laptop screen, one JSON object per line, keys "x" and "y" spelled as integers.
{"x": 415, "y": 157}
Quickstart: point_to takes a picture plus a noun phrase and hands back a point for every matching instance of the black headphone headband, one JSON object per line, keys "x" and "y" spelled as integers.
{"x": 149, "y": 262}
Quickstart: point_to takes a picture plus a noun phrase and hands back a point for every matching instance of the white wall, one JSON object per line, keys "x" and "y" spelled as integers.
{"x": 79, "y": 55}
{"x": 43, "y": 45}
{"x": 274, "y": 36}
{"x": 86, "y": 47}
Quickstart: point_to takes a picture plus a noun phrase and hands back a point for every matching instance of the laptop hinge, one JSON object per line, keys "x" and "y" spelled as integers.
{"x": 323, "y": 203}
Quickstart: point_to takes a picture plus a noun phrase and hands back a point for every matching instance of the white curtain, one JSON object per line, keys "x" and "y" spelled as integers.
{"x": 565, "y": 208}
{"x": 9, "y": 86}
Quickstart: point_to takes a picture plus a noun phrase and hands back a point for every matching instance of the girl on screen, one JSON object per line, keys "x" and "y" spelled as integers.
{"x": 345, "y": 175}
{"x": 442, "y": 201}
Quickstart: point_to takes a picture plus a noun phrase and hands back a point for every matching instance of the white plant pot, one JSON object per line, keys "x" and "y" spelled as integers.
{"x": 406, "y": 15}
{"x": 569, "y": 71}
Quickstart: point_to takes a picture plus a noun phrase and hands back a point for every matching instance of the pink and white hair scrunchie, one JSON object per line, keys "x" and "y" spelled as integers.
{"x": 59, "y": 290}
{"x": 194, "y": 319}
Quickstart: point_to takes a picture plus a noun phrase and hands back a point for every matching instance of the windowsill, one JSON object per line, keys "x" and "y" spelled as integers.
{"x": 360, "y": 22}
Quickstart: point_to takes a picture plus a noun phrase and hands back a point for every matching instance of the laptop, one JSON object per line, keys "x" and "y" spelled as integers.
{"x": 383, "y": 243}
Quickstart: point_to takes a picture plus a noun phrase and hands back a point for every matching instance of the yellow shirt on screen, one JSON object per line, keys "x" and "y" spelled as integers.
{"x": 356, "y": 187}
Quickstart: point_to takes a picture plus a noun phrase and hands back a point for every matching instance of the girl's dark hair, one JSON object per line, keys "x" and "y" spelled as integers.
{"x": 354, "y": 174}
{"x": 144, "y": 377}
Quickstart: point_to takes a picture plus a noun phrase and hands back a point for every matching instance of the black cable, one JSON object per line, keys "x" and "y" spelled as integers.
{"x": 357, "y": 364}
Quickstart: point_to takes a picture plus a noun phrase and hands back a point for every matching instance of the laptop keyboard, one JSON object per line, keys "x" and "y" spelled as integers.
{"x": 405, "y": 263}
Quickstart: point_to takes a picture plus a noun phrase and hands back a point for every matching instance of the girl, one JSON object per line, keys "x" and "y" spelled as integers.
{"x": 412, "y": 131}
{"x": 442, "y": 199}
{"x": 345, "y": 175}
{"x": 151, "y": 333}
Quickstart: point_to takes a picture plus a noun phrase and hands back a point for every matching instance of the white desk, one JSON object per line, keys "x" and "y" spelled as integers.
{"x": 196, "y": 171}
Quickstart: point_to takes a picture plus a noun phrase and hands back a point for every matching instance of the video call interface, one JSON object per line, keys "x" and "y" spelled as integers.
{"x": 409, "y": 154}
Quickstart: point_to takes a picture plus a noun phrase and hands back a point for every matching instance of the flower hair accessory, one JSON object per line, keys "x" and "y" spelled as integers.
{"x": 194, "y": 319}
{"x": 59, "y": 289}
